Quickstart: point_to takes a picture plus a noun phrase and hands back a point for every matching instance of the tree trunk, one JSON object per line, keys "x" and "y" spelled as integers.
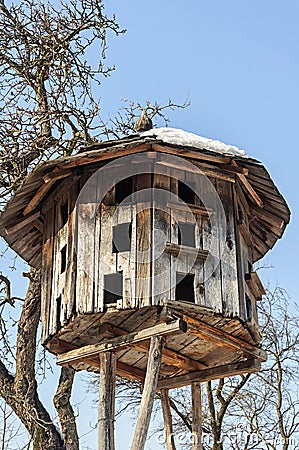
{"x": 20, "y": 391}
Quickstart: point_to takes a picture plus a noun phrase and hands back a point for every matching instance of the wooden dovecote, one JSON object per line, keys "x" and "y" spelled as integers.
{"x": 117, "y": 272}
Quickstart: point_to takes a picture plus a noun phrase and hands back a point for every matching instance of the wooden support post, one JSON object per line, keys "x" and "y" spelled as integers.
{"x": 107, "y": 401}
{"x": 170, "y": 445}
{"x": 150, "y": 386}
{"x": 196, "y": 416}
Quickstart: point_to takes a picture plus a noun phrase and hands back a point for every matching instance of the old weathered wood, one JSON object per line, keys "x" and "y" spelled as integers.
{"x": 149, "y": 389}
{"x": 169, "y": 356}
{"x": 17, "y": 227}
{"x": 106, "y": 416}
{"x": 255, "y": 284}
{"x": 46, "y": 277}
{"x": 228, "y": 252}
{"x": 167, "y": 417}
{"x": 49, "y": 181}
{"x": 176, "y": 249}
{"x": 195, "y": 154}
{"x": 143, "y": 255}
{"x": 196, "y": 416}
{"x": 56, "y": 174}
{"x": 228, "y": 370}
{"x": 163, "y": 329}
{"x": 222, "y": 338}
{"x": 250, "y": 190}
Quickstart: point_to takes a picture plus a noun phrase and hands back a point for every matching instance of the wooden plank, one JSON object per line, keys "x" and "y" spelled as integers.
{"x": 86, "y": 246}
{"x": 211, "y": 243}
{"x": 176, "y": 326}
{"x": 49, "y": 181}
{"x": 196, "y": 415}
{"x": 19, "y": 226}
{"x": 255, "y": 285}
{"x": 143, "y": 255}
{"x": 228, "y": 370}
{"x": 106, "y": 409}
{"x": 97, "y": 156}
{"x": 195, "y": 154}
{"x": 46, "y": 276}
{"x": 222, "y": 338}
{"x": 228, "y": 253}
{"x": 161, "y": 259}
{"x": 71, "y": 273}
{"x": 167, "y": 417}
{"x": 56, "y": 174}
{"x": 148, "y": 395}
{"x": 250, "y": 191}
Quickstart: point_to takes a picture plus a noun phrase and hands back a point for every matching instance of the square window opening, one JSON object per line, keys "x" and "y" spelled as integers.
{"x": 124, "y": 191}
{"x": 185, "y": 193}
{"x": 113, "y": 287}
{"x": 184, "y": 287}
{"x": 121, "y": 237}
{"x": 186, "y": 234}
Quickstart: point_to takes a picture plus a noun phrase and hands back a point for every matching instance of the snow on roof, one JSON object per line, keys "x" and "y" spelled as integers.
{"x": 177, "y": 136}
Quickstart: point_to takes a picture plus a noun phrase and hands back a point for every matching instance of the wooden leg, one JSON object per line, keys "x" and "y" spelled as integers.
{"x": 170, "y": 445}
{"x": 107, "y": 401}
{"x": 149, "y": 389}
{"x": 196, "y": 416}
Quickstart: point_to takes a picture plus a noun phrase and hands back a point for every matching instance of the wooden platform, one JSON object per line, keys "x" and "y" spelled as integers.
{"x": 199, "y": 344}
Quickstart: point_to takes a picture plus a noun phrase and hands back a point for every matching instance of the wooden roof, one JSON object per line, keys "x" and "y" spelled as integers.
{"x": 21, "y": 222}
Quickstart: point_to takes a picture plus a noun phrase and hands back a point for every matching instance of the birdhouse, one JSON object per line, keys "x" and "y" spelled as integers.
{"x": 151, "y": 235}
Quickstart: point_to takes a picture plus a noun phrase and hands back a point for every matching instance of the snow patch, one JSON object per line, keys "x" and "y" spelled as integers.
{"x": 175, "y": 136}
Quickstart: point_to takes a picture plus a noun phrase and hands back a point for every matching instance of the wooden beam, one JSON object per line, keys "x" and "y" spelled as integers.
{"x": 200, "y": 376}
{"x": 100, "y": 155}
{"x": 255, "y": 285}
{"x": 201, "y": 168}
{"x": 200, "y": 210}
{"x": 222, "y": 338}
{"x": 235, "y": 168}
{"x": 169, "y": 356}
{"x": 19, "y": 226}
{"x": 250, "y": 191}
{"x": 132, "y": 373}
{"x": 119, "y": 343}
{"x": 196, "y": 415}
{"x": 167, "y": 417}
{"x": 57, "y": 174}
{"x": 148, "y": 395}
{"x": 49, "y": 180}
{"x": 122, "y": 369}
{"x": 176, "y": 249}
{"x": 106, "y": 408}
{"x": 195, "y": 154}
{"x": 45, "y": 187}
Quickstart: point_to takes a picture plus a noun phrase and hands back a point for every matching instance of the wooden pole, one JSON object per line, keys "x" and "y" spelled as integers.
{"x": 170, "y": 445}
{"x": 107, "y": 401}
{"x": 196, "y": 416}
{"x": 149, "y": 389}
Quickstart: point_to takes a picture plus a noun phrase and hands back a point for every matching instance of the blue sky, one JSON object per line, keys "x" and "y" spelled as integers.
{"x": 238, "y": 63}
